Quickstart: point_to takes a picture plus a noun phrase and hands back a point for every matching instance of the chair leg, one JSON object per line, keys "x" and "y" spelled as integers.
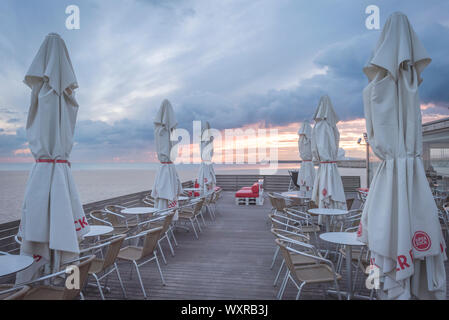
{"x": 338, "y": 289}
{"x": 279, "y": 273}
{"x": 202, "y": 218}
{"x": 159, "y": 268}
{"x": 193, "y": 227}
{"x": 99, "y": 286}
{"x": 283, "y": 285}
{"x": 299, "y": 290}
{"x": 173, "y": 236}
{"x": 120, "y": 280}
{"x": 198, "y": 223}
{"x": 211, "y": 212}
{"x": 169, "y": 244}
{"x": 162, "y": 252}
{"x": 140, "y": 280}
{"x": 274, "y": 257}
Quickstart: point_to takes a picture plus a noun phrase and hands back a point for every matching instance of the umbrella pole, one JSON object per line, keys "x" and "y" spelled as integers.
{"x": 56, "y": 261}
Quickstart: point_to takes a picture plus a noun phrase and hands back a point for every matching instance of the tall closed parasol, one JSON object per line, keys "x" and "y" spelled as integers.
{"x": 53, "y": 219}
{"x": 400, "y": 218}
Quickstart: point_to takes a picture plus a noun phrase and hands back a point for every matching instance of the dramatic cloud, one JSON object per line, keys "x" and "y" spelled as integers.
{"x": 233, "y": 63}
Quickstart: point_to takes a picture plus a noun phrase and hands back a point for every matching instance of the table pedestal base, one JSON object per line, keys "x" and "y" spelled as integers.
{"x": 348, "y": 296}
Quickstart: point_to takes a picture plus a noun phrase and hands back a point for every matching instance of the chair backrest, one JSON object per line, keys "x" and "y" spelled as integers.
{"x": 113, "y": 250}
{"x": 150, "y": 241}
{"x": 280, "y": 202}
{"x": 287, "y": 251}
{"x": 275, "y": 222}
{"x": 114, "y": 208}
{"x": 272, "y": 199}
{"x": 98, "y": 218}
{"x": 349, "y": 203}
{"x": 286, "y": 255}
{"x": 83, "y": 267}
{"x": 302, "y": 217}
{"x": 114, "y": 216}
{"x": 280, "y": 233}
{"x": 12, "y": 293}
{"x": 148, "y": 202}
{"x": 198, "y": 206}
{"x": 167, "y": 221}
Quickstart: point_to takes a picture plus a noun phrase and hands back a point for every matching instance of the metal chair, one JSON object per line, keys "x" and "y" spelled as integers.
{"x": 321, "y": 271}
{"x": 11, "y": 292}
{"x": 108, "y": 264}
{"x": 190, "y": 213}
{"x": 134, "y": 254}
{"x": 55, "y": 292}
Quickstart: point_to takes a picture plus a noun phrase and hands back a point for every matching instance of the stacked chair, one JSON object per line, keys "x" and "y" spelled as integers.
{"x": 301, "y": 252}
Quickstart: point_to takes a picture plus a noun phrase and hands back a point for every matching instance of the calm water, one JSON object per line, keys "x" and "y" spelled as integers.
{"x": 100, "y": 181}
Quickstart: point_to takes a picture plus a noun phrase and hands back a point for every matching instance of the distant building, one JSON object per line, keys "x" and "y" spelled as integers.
{"x": 436, "y": 147}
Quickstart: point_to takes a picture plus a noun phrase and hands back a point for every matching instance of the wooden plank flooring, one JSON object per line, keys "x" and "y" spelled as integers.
{"x": 231, "y": 260}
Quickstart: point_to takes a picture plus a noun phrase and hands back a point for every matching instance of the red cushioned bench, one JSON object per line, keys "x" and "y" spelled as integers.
{"x": 250, "y": 195}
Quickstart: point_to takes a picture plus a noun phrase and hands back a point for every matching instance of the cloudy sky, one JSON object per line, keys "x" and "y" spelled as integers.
{"x": 235, "y": 63}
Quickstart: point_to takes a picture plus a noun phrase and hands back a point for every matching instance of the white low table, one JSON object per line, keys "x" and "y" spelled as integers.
{"x": 96, "y": 230}
{"x": 183, "y": 198}
{"x": 10, "y": 263}
{"x": 348, "y": 239}
{"x": 328, "y": 212}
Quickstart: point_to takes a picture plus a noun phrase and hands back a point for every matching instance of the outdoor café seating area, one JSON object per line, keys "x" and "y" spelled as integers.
{"x": 119, "y": 237}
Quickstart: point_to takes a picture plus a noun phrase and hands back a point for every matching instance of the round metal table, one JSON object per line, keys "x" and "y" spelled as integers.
{"x": 326, "y": 212}
{"x": 295, "y": 195}
{"x": 96, "y": 230}
{"x": 10, "y": 263}
{"x": 139, "y": 210}
{"x": 348, "y": 239}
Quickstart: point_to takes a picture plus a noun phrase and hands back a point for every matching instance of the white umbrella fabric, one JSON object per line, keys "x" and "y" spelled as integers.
{"x": 52, "y": 215}
{"x": 328, "y": 189}
{"x": 206, "y": 175}
{"x": 167, "y": 186}
{"x": 306, "y": 173}
{"x": 400, "y": 218}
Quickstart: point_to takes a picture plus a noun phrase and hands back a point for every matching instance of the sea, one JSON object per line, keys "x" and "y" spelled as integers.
{"x": 101, "y": 181}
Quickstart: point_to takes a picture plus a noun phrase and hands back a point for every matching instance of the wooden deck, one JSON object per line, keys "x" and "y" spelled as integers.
{"x": 231, "y": 260}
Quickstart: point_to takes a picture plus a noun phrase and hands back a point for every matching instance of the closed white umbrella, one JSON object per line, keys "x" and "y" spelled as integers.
{"x": 306, "y": 174}
{"x": 167, "y": 186}
{"x": 400, "y": 219}
{"x": 328, "y": 189}
{"x": 52, "y": 213}
{"x": 206, "y": 175}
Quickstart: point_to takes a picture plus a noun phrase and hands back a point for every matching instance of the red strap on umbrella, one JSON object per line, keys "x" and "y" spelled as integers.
{"x": 167, "y": 162}
{"x": 52, "y": 161}
{"x": 328, "y": 162}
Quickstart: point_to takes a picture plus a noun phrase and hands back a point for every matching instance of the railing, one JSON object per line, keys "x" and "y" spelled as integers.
{"x": 274, "y": 183}
{"x": 10, "y": 229}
